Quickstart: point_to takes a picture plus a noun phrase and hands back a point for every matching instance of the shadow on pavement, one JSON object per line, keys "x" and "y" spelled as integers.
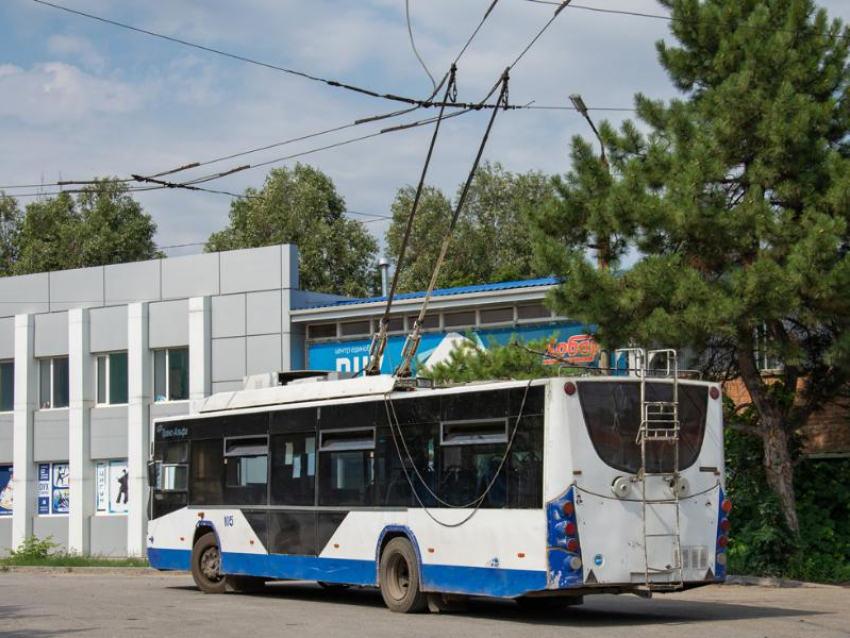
{"x": 598, "y": 611}
{"x": 11, "y": 613}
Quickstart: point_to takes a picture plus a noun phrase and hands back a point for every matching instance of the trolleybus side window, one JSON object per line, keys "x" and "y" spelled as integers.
{"x": 207, "y": 480}
{"x": 347, "y": 467}
{"x": 246, "y": 470}
{"x": 612, "y": 413}
{"x": 293, "y": 471}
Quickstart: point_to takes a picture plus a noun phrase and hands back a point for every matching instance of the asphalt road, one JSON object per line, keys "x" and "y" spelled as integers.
{"x": 36, "y": 605}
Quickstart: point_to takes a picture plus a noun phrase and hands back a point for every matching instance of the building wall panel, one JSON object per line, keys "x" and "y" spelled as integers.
{"x": 228, "y": 359}
{"x": 24, "y": 294}
{"x": 193, "y": 276}
{"x": 169, "y": 324}
{"x": 264, "y": 313}
{"x": 50, "y": 435}
{"x": 108, "y": 433}
{"x": 140, "y": 281}
{"x": 6, "y": 434}
{"x": 250, "y": 270}
{"x": 108, "y": 535}
{"x": 7, "y": 336}
{"x": 228, "y": 316}
{"x": 5, "y": 535}
{"x": 51, "y": 334}
{"x": 55, "y": 526}
{"x": 108, "y": 329}
{"x": 77, "y": 288}
{"x": 263, "y": 354}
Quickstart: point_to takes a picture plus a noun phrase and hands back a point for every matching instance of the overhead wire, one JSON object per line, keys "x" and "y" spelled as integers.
{"x": 413, "y": 44}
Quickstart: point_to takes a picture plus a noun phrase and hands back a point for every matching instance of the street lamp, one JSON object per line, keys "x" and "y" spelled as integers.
{"x": 601, "y": 242}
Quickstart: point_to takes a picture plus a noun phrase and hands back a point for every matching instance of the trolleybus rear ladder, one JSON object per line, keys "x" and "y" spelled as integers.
{"x": 660, "y": 424}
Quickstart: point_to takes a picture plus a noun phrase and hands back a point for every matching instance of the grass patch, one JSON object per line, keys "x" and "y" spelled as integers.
{"x": 71, "y": 560}
{"x": 35, "y": 552}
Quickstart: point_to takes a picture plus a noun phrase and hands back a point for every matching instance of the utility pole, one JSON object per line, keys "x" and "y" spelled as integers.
{"x": 602, "y": 242}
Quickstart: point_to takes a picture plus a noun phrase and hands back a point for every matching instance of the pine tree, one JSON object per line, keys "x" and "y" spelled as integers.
{"x": 737, "y": 197}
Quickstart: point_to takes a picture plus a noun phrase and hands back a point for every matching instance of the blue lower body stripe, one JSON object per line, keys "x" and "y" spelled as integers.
{"x": 170, "y": 559}
{"x": 473, "y": 581}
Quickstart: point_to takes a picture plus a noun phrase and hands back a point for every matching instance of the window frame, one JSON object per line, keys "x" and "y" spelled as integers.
{"x": 107, "y": 356}
{"x": 346, "y": 448}
{"x": 4, "y": 362}
{"x": 492, "y": 440}
{"x": 167, "y": 352}
{"x": 52, "y": 401}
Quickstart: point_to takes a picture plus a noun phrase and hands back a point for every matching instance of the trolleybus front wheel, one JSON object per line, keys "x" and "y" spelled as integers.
{"x": 400, "y": 578}
{"x": 206, "y": 565}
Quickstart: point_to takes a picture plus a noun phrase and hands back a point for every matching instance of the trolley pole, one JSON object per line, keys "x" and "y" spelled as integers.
{"x": 602, "y": 241}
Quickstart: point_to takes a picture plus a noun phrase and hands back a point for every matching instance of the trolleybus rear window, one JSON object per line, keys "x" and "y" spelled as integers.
{"x": 612, "y": 414}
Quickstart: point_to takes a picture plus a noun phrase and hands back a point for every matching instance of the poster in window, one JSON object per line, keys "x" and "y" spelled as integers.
{"x": 119, "y": 480}
{"x": 102, "y": 482}
{"x": 44, "y": 489}
{"x": 6, "y": 490}
{"x": 61, "y": 489}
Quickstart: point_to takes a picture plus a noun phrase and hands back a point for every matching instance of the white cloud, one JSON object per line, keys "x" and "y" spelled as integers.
{"x": 56, "y": 92}
{"x": 74, "y": 47}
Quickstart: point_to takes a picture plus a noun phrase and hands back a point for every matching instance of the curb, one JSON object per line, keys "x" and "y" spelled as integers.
{"x": 44, "y": 569}
{"x": 778, "y": 583}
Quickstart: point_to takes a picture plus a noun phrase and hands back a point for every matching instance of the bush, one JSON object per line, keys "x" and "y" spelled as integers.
{"x": 34, "y": 549}
{"x": 760, "y": 542}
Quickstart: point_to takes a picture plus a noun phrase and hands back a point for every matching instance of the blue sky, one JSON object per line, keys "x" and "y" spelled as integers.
{"x": 80, "y": 99}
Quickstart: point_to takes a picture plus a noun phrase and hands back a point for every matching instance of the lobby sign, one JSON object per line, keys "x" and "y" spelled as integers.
{"x": 570, "y": 341}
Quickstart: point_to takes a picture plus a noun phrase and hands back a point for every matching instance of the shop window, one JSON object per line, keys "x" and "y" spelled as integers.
{"x": 53, "y": 383}
{"x": 113, "y": 487}
{"x": 54, "y": 481}
{"x": 322, "y": 331}
{"x": 462, "y": 319}
{"x": 7, "y": 386}
{"x": 352, "y": 328}
{"x": 396, "y": 324}
{"x": 112, "y": 381}
{"x": 497, "y": 315}
{"x": 171, "y": 374}
{"x": 430, "y": 322}
{"x": 6, "y": 500}
{"x": 533, "y": 311}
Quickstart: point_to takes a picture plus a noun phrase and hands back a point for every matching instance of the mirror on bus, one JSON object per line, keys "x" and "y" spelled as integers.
{"x": 154, "y": 475}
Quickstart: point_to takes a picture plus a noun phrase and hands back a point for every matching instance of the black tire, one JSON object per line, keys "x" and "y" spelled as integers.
{"x": 399, "y": 573}
{"x": 245, "y": 584}
{"x": 206, "y": 565}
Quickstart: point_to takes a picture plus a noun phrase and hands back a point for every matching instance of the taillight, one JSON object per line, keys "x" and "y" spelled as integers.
{"x": 570, "y": 529}
{"x": 726, "y": 506}
{"x": 570, "y": 388}
{"x": 572, "y": 544}
{"x": 725, "y": 525}
{"x": 569, "y": 508}
{"x": 714, "y": 393}
{"x": 723, "y": 541}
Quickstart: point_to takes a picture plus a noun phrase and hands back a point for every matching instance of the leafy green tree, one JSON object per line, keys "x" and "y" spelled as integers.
{"x": 468, "y": 363}
{"x": 301, "y": 206}
{"x": 491, "y": 241}
{"x": 10, "y": 220}
{"x": 737, "y": 198}
{"x": 103, "y": 225}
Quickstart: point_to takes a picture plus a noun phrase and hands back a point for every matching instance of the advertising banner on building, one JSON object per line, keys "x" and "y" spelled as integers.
{"x": 6, "y": 497}
{"x": 112, "y": 487}
{"x": 54, "y": 488}
{"x": 570, "y": 341}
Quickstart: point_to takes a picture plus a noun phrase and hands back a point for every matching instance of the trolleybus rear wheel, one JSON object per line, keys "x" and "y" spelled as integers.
{"x": 206, "y": 565}
{"x": 400, "y": 578}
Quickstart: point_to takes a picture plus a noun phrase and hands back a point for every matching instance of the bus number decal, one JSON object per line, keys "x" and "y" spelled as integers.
{"x": 228, "y": 521}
